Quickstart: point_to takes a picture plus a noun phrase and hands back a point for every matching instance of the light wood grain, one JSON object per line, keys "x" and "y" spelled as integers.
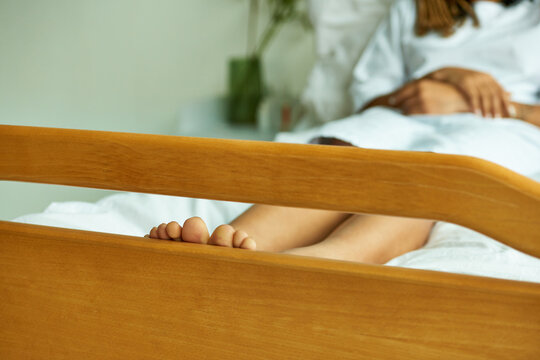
{"x": 80, "y": 295}
{"x": 462, "y": 190}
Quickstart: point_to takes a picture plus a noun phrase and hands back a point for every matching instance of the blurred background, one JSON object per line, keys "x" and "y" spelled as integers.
{"x": 145, "y": 66}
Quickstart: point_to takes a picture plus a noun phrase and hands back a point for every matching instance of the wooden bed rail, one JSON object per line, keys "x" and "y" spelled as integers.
{"x": 462, "y": 190}
{"x": 81, "y": 295}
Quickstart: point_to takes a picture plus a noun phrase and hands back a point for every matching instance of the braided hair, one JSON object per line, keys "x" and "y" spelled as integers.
{"x": 444, "y": 16}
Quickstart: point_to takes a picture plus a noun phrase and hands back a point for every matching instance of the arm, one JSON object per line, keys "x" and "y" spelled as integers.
{"x": 383, "y": 100}
{"x": 527, "y": 113}
{"x": 486, "y": 95}
{"x": 427, "y": 96}
{"x": 424, "y": 96}
{"x": 483, "y": 95}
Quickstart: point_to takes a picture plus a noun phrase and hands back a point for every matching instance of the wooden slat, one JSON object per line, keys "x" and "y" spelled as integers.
{"x": 82, "y": 295}
{"x": 462, "y": 190}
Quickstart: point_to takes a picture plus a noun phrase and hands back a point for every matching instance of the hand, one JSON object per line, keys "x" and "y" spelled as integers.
{"x": 425, "y": 96}
{"x": 484, "y": 94}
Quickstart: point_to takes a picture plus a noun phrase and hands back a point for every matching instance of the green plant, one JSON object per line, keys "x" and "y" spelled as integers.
{"x": 246, "y": 85}
{"x": 281, "y": 12}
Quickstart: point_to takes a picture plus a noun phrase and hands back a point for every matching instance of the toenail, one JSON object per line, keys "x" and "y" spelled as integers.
{"x": 249, "y": 244}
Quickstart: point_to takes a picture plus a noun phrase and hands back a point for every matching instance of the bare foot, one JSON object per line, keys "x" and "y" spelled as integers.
{"x": 195, "y": 231}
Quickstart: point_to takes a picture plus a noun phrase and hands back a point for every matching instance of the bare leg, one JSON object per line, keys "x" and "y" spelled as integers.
{"x": 368, "y": 239}
{"x": 277, "y": 228}
{"x": 371, "y": 239}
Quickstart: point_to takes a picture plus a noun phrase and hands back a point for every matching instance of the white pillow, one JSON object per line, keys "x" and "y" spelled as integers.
{"x": 342, "y": 30}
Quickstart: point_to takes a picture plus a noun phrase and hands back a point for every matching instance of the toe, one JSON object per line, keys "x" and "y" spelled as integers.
{"x": 223, "y": 236}
{"x": 162, "y": 232}
{"x": 174, "y": 230}
{"x": 153, "y": 233}
{"x": 248, "y": 244}
{"x": 238, "y": 238}
{"x": 195, "y": 231}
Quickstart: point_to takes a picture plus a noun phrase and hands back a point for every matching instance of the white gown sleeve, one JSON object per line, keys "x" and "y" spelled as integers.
{"x": 381, "y": 69}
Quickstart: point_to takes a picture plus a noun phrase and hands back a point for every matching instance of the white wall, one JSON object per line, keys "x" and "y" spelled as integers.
{"x": 122, "y": 65}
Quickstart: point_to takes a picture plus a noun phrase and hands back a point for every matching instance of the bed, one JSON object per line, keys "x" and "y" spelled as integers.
{"x": 72, "y": 293}
{"x": 79, "y": 293}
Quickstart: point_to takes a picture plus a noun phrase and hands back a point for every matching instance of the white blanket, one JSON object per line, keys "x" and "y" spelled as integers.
{"x": 511, "y": 143}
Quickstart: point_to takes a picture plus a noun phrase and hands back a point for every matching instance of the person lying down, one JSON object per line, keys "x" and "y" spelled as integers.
{"x": 450, "y": 76}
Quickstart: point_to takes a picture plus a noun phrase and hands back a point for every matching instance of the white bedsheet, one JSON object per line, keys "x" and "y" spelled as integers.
{"x": 457, "y": 249}
{"x": 133, "y": 213}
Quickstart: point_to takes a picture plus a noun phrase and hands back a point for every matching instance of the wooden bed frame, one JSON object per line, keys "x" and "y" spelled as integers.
{"x": 87, "y": 295}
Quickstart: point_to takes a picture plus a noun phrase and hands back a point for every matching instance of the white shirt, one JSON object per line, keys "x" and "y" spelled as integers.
{"x": 506, "y": 45}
